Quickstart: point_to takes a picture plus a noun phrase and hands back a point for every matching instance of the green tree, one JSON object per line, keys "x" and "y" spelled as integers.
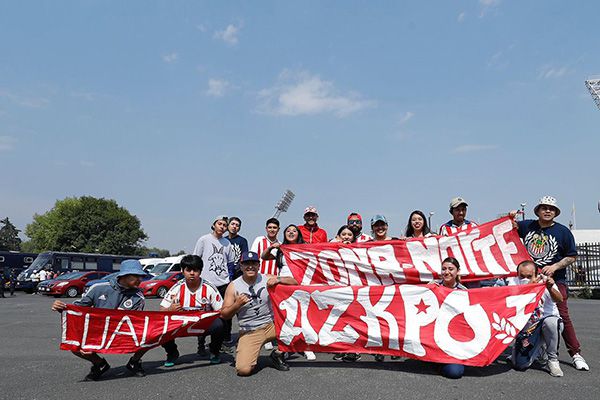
{"x": 86, "y": 224}
{"x": 9, "y": 236}
{"x": 146, "y": 251}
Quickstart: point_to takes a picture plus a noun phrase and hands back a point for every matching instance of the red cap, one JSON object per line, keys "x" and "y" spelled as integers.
{"x": 354, "y": 215}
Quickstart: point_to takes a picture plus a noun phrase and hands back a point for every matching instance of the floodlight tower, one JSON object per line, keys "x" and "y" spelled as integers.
{"x": 284, "y": 204}
{"x": 593, "y": 86}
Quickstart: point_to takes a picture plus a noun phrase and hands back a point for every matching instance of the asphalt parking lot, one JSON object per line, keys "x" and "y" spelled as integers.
{"x": 33, "y": 367}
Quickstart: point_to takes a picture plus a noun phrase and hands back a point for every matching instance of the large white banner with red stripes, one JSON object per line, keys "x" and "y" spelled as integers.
{"x": 104, "y": 330}
{"x": 426, "y": 322}
{"x": 490, "y": 249}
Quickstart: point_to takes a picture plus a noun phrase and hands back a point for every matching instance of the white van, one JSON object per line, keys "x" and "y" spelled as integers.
{"x": 149, "y": 263}
{"x": 168, "y": 264}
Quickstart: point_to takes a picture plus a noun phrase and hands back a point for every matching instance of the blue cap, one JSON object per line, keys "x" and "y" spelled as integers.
{"x": 249, "y": 256}
{"x": 131, "y": 267}
{"x": 378, "y": 218}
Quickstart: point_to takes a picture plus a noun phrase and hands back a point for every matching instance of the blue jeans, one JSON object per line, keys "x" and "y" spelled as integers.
{"x": 453, "y": 371}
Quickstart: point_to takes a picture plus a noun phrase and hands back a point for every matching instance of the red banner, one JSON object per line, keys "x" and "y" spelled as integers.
{"x": 117, "y": 331}
{"x": 485, "y": 251}
{"x": 426, "y": 322}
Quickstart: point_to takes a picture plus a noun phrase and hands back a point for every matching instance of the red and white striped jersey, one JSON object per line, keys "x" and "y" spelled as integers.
{"x": 363, "y": 238}
{"x": 205, "y": 298}
{"x": 449, "y": 228}
{"x": 260, "y": 244}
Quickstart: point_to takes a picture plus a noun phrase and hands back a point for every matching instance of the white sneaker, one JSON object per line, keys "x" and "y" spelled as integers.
{"x": 554, "y": 368}
{"x": 310, "y": 355}
{"x": 268, "y": 346}
{"x": 579, "y": 363}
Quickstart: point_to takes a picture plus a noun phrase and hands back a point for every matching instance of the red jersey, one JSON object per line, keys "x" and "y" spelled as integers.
{"x": 314, "y": 235}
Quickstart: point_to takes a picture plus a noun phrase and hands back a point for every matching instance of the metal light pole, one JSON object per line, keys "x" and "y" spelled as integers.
{"x": 430, "y": 226}
{"x": 284, "y": 204}
{"x": 523, "y": 211}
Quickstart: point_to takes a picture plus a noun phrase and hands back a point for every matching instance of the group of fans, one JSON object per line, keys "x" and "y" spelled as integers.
{"x": 225, "y": 274}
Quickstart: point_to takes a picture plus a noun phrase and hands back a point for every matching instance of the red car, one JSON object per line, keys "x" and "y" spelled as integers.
{"x": 160, "y": 284}
{"x": 70, "y": 284}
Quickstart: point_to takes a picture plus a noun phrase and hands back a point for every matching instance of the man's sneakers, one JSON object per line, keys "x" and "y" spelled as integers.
{"x": 579, "y": 363}
{"x": 171, "y": 359}
{"x": 554, "y": 368}
{"x": 202, "y": 350}
{"x": 135, "y": 367}
{"x": 379, "y": 357}
{"x": 351, "y": 357}
{"x": 278, "y": 361}
{"x": 215, "y": 359}
{"x": 228, "y": 347}
{"x": 310, "y": 355}
{"x": 97, "y": 371}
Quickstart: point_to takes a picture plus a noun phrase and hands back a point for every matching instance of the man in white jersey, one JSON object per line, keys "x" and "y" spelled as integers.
{"x": 248, "y": 298}
{"x": 355, "y": 225}
{"x": 540, "y": 336}
{"x": 219, "y": 264}
{"x": 264, "y": 243}
{"x": 458, "y": 209}
{"x": 194, "y": 293}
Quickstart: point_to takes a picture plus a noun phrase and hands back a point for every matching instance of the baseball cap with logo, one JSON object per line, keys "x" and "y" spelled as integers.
{"x": 249, "y": 256}
{"x": 378, "y": 218}
{"x": 457, "y": 201}
{"x": 547, "y": 201}
{"x": 310, "y": 209}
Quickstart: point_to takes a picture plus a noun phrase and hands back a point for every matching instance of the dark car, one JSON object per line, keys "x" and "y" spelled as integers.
{"x": 70, "y": 284}
{"x": 160, "y": 284}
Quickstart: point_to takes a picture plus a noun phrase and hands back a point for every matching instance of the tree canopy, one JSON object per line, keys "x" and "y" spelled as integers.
{"x": 9, "y": 236}
{"x": 86, "y": 224}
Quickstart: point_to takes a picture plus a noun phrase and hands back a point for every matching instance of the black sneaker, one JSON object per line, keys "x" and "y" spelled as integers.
{"x": 339, "y": 356}
{"x": 278, "y": 361}
{"x": 171, "y": 359}
{"x": 97, "y": 371}
{"x": 379, "y": 357}
{"x": 202, "y": 351}
{"x": 136, "y": 368}
{"x": 351, "y": 357}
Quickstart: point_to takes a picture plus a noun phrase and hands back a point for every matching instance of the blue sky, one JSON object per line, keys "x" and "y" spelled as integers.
{"x": 183, "y": 111}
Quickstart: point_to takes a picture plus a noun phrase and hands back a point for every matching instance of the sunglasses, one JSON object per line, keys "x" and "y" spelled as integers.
{"x": 355, "y": 222}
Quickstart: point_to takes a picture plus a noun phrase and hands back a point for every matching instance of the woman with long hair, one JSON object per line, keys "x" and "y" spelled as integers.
{"x": 417, "y": 225}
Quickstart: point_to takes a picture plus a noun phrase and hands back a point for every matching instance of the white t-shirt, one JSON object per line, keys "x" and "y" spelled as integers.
{"x": 363, "y": 238}
{"x": 546, "y": 307}
{"x": 216, "y": 254}
{"x": 205, "y": 298}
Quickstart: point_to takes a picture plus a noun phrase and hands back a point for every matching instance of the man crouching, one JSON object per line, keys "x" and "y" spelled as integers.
{"x": 539, "y": 340}
{"x": 120, "y": 293}
{"x": 247, "y": 296}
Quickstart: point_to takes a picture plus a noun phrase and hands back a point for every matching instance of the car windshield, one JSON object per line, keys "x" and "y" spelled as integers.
{"x": 70, "y": 275}
{"x": 162, "y": 277}
{"x": 39, "y": 262}
{"x": 160, "y": 268}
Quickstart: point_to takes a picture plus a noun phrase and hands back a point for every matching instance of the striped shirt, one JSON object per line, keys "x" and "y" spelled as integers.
{"x": 450, "y": 228}
{"x": 205, "y": 298}
{"x": 260, "y": 244}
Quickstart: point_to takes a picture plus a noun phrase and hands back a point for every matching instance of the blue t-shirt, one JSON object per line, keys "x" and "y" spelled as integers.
{"x": 548, "y": 245}
{"x": 239, "y": 245}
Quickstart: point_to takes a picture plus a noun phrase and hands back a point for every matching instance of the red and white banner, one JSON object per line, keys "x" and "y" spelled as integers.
{"x": 488, "y": 250}
{"x": 104, "y": 330}
{"x": 426, "y": 322}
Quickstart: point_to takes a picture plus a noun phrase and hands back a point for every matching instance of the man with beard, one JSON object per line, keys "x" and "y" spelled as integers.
{"x": 355, "y": 225}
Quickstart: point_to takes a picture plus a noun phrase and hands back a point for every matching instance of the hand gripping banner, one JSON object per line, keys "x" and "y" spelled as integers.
{"x": 490, "y": 250}
{"x": 425, "y": 322}
{"x": 104, "y": 330}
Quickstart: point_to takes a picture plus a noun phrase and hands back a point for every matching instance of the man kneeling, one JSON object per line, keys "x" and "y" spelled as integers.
{"x": 540, "y": 338}
{"x": 121, "y": 293}
{"x": 247, "y": 296}
{"x": 194, "y": 293}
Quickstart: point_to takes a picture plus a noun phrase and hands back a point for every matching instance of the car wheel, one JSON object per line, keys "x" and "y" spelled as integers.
{"x": 161, "y": 292}
{"x": 72, "y": 292}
